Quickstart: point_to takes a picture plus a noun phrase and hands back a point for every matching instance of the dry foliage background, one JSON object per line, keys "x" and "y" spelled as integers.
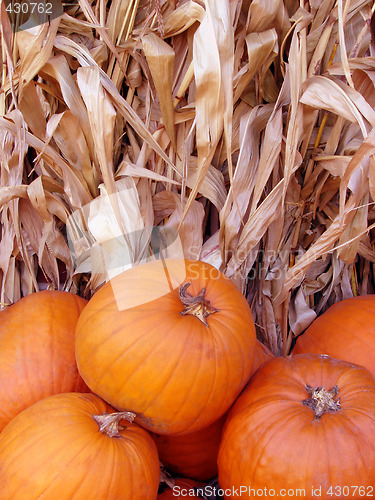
{"x": 246, "y": 125}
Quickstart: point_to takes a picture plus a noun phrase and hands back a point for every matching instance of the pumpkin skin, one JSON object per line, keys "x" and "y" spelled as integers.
{"x": 194, "y": 455}
{"x": 177, "y": 374}
{"x": 55, "y": 450}
{"x": 181, "y": 485}
{"x": 261, "y": 355}
{"x": 272, "y": 440}
{"x": 37, "y": 355}
{"x": 346, "y": 331}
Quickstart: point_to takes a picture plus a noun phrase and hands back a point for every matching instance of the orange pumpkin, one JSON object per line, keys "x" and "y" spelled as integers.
{"x": 71, "y": 446}
{"x": 303, "y": 422}
{"x": 178, "y": 361}
{"x": 37, "y": 356}
{"x": 182, "y": 489}
{"x": 261, "y": 355}
{"x": 346, "y": 330}
{"x": 194, "y": 455}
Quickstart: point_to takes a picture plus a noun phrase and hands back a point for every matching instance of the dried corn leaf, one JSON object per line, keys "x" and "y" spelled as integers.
{"x": 126, "y": 167}
{"x": 269, "y": 155}
{"x": 105, "y": 236}
{"x": 300, "y": 314}
{"x": 210, "y": 252}
{"x": 120, "y": 19}
{"x": 336, "y": 165}
{"x": 297, "y": 74}
{"x": 241, "y": 190}
{"x": 52, "y": 244}
{"x": 182, "y": 18}
{"x": 69, "y": 137}
{"x": 102, "y": 116}
{"x": 262, "y": 48}
{"x": 85, "y": 59}
{"x": 74, "y": 184}
{"x": 32, "y": 110}
{"x": 321, "y": 247}
{"x": 256, "y": 226}
{"x": 324, "y": 93}
{"x": 262, "y": 14}
{"x": 167, "y": 205}
{"x": 213, "y": 71}
{"x": 8, "y": 193}
{"x": 90, "y": 15}
{"x": 35, "y": 48}
{"x": 57, "y": 67}
{"x": 212, "y": 187}
{"x": 160, "y": 57}
{"x": 7, "y": 57}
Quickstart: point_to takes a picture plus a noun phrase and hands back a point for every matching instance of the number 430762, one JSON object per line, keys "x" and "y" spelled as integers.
{"x": 29, "y": 8}
{"x": 350, "y": 491}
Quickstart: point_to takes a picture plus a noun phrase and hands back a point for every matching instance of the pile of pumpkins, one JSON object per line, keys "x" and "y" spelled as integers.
{"x": 94, "y": 395}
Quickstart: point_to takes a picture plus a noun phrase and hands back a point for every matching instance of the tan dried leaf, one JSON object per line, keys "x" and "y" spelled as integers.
{"x": 323, "y": 93}
{"x": 160, "y": 57}
{"x": 256, "y": 226}
{"x": 35, "y": 48}
{"x": 102, "y": 116}
{"x": 213, "y": 70}
{"x": 182, "y": 18}
{"x": 167, "y": 205}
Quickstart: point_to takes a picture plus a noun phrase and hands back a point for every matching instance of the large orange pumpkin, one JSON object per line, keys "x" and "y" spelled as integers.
{"x": 183, "y": 488}
{"x": 37, "y": 357}
{"x": 178, "y": 361}
{"x": 71, "y": 446}
{"x": 194, "y": 455}
{"x": 346, "y": 330}
{"x": 303, "y": 423}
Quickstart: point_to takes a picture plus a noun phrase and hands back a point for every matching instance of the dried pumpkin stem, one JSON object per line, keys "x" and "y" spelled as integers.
{"x": 322, "y": 401}
{"x": 109, "y": 423}
{"x": 196, "y": 306}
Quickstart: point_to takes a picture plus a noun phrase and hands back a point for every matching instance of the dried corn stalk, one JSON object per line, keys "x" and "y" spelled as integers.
{"x": 246, "y": 126}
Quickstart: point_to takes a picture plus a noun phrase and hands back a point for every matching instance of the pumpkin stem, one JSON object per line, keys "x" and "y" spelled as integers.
{"x": 322, "y": 401}
{"x": 196, "y": 306}
{"x": 109, "y": 423}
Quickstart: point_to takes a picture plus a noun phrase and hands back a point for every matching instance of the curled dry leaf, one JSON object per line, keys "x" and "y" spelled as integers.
{"x": 168, "y": 206}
